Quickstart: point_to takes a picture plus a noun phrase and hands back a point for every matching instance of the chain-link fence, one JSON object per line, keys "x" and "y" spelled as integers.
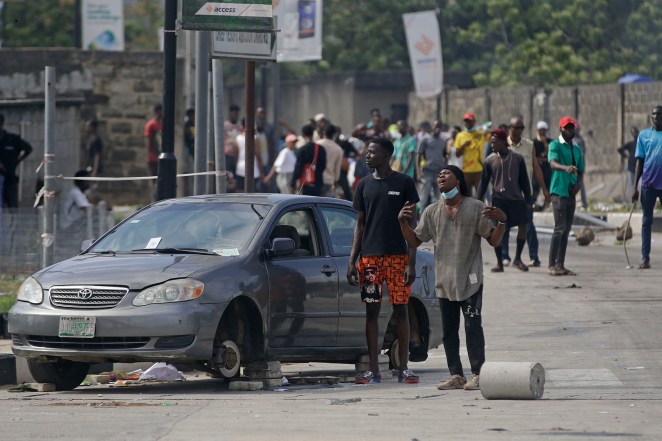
{"x": 21, "y": 247}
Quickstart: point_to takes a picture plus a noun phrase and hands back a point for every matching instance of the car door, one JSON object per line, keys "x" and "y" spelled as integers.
{"x": 303, "y": 287}
{"x": 340, "y": 222}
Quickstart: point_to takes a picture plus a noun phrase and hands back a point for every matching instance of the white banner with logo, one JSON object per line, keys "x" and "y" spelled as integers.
{"x": 424, "y": 44}
{"x": 300, "y": 25}
{"x": 103, "y": 25}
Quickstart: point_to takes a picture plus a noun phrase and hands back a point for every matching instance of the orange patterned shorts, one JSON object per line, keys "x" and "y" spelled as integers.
{"x": 375, "y": 270}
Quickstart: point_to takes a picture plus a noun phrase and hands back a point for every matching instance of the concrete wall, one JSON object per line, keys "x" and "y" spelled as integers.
{"x": 605, "y": 112}
{"x": 119, "y": 89}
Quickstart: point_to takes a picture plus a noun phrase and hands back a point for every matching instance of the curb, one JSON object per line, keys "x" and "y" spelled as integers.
{"x": 7, "y": 369}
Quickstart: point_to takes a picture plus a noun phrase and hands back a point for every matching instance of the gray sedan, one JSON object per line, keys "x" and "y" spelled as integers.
{"x": 218, "y": 281}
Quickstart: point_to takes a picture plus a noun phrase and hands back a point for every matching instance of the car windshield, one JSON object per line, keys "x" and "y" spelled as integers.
{"x": 223, "y": 229}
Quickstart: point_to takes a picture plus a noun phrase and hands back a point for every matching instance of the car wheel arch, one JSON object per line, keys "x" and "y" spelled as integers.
{"x": 242, "y": 322}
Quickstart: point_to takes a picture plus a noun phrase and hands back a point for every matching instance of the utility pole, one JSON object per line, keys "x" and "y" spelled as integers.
{"x": 167, "y": 173}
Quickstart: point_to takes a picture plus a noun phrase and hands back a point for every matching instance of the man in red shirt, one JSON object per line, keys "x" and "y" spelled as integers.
{"x": 153, "y": 140}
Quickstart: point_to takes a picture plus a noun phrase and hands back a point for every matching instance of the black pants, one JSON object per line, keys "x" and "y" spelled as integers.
{"x": 473, "y": 328}
{"x": 564, "y": 213}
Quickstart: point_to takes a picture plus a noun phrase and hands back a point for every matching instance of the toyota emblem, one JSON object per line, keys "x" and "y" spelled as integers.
{"x": 84, "y": 294}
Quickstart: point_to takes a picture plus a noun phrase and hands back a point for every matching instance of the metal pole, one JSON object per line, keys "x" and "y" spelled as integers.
{"x": 219, "y": 129}
{"x": 201, "y": 98}
{"x": 48, "y": 236}
{"x": 211, "y": 163}
{"x": 167, "y": 172}
{"x": 275, "y": 71}
{"x": 249, "y": 184}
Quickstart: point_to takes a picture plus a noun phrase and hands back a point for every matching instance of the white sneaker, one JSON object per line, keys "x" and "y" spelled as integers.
{"x": 506, "y": 262}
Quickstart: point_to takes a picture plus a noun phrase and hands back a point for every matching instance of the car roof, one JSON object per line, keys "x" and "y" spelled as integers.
{"x": 258, "y": 198}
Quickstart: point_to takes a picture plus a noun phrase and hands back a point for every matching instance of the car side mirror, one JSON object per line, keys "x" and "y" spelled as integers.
{"x": 86, "y": 244}
{"x": 281, "y": 246}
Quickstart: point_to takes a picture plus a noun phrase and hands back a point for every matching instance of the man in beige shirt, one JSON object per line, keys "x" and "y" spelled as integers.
{"x": 334, "y": 155}
{"x": 525, "y": 147}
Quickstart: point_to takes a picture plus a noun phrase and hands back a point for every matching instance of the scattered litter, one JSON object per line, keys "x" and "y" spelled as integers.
{"x": 574, "y": 285}
{"x": 280, "y": 390}
{"x": 285, "y": 381}
{"x": 22, "y": 388}
{"x": 635, "y": 368}
{"x": 162, "y": 371}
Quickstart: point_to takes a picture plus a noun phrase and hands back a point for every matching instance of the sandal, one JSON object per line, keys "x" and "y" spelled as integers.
{"x": 407, "y": 376}
{"x": 497, "y": 269}
{"x": 644, "y": 265}
{"x": 567, "y": 272}
{"x": 367, "y": 377}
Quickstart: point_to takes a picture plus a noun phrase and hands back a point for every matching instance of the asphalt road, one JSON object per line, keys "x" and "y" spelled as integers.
{"x": 597, "y": 336}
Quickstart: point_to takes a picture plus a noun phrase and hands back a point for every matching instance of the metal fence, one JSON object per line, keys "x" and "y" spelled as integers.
{"x": 21, "y": 249}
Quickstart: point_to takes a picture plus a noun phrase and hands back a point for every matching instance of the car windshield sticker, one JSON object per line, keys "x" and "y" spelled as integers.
{"x": 227, "y": 252}
{"x": 153, "y": 243}
{"x": 134, "y": 221}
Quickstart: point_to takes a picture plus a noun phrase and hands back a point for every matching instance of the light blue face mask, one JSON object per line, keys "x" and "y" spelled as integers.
{"x": 451, "y": 194}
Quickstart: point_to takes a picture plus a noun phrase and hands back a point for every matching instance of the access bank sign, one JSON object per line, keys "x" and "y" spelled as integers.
{"x": 236, "y": 15}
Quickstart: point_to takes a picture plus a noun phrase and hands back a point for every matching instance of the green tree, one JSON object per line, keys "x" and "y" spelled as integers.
{"x": 46, "y": 23}
{"x": 142, "y": 20}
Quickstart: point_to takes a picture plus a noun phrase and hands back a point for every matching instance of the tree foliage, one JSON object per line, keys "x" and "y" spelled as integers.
{"x": 497, "y": 42}
{"x": 46, "y": 23}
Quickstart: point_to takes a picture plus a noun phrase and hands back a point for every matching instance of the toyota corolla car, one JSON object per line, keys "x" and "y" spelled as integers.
{"x": 218, "y": 281}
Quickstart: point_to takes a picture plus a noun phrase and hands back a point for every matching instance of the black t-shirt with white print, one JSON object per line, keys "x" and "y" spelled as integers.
{"x": 381, "y": 200}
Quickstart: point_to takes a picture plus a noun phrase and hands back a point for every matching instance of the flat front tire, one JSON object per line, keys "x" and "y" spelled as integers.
{"x": 64, "y": 374}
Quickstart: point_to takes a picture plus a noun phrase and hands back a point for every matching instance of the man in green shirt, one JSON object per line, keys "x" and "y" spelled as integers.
{"x": 567, "y": 162}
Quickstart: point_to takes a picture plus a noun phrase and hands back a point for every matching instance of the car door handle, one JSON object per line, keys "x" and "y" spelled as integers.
{"x": 326, "y": 269}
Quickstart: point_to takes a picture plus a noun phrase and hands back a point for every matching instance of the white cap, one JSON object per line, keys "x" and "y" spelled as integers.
{"x": 542, "y": 125}
{"x": 319, "y": 117}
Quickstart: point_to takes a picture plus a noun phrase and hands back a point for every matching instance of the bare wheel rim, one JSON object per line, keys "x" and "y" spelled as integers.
{"x": 231, "y": 359}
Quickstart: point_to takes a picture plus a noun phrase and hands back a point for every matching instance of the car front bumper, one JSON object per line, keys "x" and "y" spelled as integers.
{"x": 182, "y": 331}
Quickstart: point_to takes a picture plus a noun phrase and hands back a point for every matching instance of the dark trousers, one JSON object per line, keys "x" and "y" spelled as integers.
{"x": 473, "y": 329}
{"x": 10, "y": 191}
{"x": 648, "y": 197}
{"x": 564, "y": 213}
{"x": 531, "y": 238}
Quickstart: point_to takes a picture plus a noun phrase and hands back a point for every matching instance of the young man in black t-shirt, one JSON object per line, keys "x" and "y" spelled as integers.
{"x": 385, "y": 256}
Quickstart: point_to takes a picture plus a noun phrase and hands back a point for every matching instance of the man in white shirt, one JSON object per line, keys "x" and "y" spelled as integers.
{"x": 76, "y": 203}
{"x": 284, "y": 165}
{"x": 334, "y": 155}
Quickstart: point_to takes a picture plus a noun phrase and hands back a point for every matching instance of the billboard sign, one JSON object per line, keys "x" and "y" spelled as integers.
{"x": 300, "y": 30}
{"x": 424, "y": 44}
{"x": 233, "y": 15}
{"x": 103, "y": 25}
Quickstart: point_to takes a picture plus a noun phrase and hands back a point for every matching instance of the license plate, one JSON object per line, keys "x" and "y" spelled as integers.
{"x": 81, "y": 327}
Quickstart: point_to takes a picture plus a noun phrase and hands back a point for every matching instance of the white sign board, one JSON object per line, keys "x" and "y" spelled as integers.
{"x": 300, "y": 25}
{"x": 249, "y": 45}
{"x": 424, "y": 44}
{"x": 103, "y": 25}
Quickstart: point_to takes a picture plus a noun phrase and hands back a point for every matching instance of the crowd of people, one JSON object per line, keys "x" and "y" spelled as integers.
{"x": 500, "y": 166}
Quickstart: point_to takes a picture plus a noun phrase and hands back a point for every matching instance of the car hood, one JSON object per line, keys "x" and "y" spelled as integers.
{"x": 135, "y": 271}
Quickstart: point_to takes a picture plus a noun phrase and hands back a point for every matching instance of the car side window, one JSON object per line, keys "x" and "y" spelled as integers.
{"x": 298, "y": 225}
{"x": 340, "y": 224}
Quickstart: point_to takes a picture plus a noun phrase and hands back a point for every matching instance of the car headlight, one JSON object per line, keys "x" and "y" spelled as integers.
{"x": 30, "y": 291}
{"x": 179, "y": 290}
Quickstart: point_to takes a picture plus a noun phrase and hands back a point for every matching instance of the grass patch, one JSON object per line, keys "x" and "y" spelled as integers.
{"x": 9, "y": 286}
{"x": 6, "y": 302}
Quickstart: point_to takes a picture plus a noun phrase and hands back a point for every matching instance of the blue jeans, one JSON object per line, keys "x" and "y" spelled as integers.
{"x": 531, "y": 238}
{"x": 648, "y": 197}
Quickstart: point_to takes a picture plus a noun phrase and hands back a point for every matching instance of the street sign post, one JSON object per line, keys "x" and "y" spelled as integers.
{"x": 233, "y": 15}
